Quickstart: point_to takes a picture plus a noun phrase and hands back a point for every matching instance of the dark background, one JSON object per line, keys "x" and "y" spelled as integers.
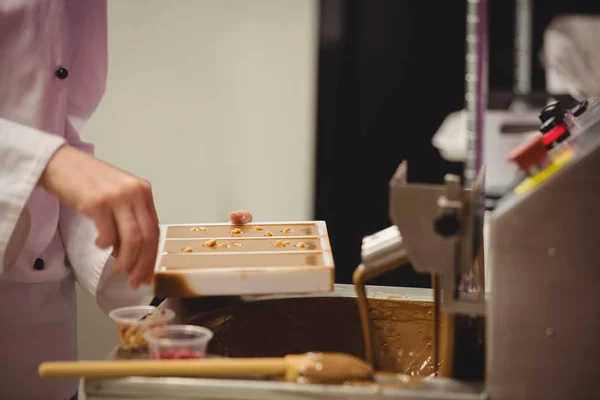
{"x": 389, "y": 73}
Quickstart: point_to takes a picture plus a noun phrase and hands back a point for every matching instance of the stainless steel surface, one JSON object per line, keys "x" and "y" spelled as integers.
{"x": 184, "y": 388}
{"x": 209, "y": 389}
{"x": 544, "y": 325}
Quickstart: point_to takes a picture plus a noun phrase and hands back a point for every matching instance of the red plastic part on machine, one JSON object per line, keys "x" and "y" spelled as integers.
{"x": 530, "y": 153}
{"x": 554, "y": 134}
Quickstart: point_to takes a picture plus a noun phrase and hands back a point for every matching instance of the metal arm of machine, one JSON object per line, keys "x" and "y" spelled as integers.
{"x": 439, "y": 230}
{"x": 383, "y": 251}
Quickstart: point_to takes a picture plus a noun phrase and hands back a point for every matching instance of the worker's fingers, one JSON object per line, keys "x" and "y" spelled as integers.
{"x": 115, "y": 251}
{"x": 152, "y": 206}
{"x": 115, "y": 254}
{"x": 144, "y": 266}
{"x": 156, "y": 224}
{"x": 105, "y": 224}
{"x": 240, "y": 217}
{"x": 130, "y": 237}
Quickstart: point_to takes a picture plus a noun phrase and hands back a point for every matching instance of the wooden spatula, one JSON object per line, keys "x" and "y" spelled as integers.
{"x": 310, "y": 367}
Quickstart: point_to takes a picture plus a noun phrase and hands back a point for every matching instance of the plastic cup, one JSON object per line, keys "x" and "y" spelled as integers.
{"x": 176, "y": 342}
{"x": 133, "y": 322}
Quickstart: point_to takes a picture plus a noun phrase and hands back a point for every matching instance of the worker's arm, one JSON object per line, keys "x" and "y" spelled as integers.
{"x": 92, "y": 265}
{"x": 34, "y": 93}
{"x": 24, "y": 154}
{"x": 120, "y": 205}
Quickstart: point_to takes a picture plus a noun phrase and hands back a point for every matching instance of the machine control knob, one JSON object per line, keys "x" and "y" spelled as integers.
{"x": 548, "y": 125}
{"x": 446, "y": 224}
{"x": 580, "y": 108}
{"x": 553, "y": 109}
{"x": 554, "y": 132}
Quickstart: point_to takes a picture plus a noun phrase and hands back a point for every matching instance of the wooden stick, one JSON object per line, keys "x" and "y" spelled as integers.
{"x": 317, "y": 367}
{"x": 188, "y": 368}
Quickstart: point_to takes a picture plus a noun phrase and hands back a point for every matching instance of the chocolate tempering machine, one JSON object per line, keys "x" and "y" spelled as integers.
{"x": 541, "y": 317}
{"x": 532, "y": 335}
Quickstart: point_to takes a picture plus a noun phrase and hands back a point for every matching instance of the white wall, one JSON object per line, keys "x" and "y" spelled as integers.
{"x": 213, "y": 101}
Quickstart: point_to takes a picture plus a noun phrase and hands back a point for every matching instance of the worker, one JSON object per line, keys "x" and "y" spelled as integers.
{"x": 63, "y": 213}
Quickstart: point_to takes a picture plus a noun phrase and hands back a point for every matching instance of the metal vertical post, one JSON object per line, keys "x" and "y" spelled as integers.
{"x": 476, "y": 85}
{"x": 523, "y": 28}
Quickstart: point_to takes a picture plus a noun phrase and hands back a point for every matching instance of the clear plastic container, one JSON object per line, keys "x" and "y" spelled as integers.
{"x": 133, "y": 322}
{"x": 178, "y": 342}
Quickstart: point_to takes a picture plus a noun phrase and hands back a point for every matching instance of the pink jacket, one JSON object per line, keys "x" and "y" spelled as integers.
{"x": 53, "y": 65}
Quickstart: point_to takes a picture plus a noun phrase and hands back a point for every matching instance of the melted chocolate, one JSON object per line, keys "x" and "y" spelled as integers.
{"x": 402, "y": 330}
{"x": 331, "y": 368}
{"x": 399, "y": 341}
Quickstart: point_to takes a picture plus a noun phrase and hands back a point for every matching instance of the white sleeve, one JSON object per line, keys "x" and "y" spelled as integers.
{"x": 93, "y": 266}
{"x": 114, "y": 291}
{"x": 24, "y": 154}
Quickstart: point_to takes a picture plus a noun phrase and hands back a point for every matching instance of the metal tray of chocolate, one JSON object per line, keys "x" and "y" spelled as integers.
{"x": 274, "y": 326}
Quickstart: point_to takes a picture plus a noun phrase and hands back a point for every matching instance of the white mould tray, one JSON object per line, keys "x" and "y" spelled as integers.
{"x": 259, "y": 258}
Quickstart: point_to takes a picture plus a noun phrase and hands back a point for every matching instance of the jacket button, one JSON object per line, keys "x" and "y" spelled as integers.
{"x": 61, "y": 73}
{"x": 38, "y": 265}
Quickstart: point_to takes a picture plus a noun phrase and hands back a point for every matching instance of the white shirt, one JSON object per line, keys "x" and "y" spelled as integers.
{"x": 45, "y": 247}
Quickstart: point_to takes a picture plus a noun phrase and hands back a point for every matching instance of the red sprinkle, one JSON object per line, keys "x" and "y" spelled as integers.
{"x": 177, "y": 354}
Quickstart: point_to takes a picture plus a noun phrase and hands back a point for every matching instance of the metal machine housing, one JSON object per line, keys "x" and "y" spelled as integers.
{"x": 544, "y": 317}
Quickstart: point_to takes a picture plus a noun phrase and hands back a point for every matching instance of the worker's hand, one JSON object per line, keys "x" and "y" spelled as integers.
{"x": 120, "y": 204}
